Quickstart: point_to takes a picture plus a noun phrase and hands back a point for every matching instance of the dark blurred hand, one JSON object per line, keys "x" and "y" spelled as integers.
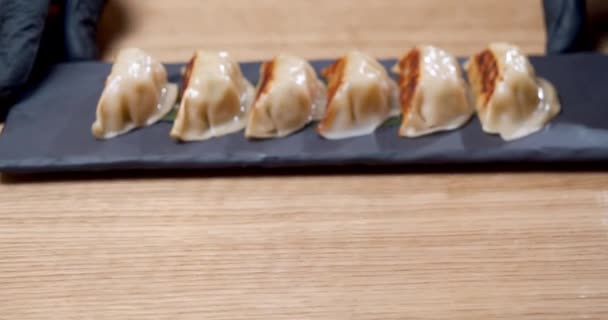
{"x": 34, "y": 34}
{"x": 565, "y": 23}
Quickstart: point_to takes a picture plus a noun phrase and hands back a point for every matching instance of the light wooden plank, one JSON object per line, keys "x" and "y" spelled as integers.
{"x": 373, "y": 246}
{"x": 171, "y": 30}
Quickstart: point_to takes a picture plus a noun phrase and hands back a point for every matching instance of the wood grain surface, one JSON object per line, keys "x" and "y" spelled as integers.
{"x": 318, "y": 28}
{"x": 354, "y": 245}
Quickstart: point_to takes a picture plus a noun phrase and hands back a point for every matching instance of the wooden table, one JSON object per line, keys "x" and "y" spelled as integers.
{"x": 343, "y": 246}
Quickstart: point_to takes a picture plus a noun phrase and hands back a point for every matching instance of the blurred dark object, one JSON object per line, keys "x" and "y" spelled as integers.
{"x": 35, "y": 34}
{"x": 596, "y": 32}
{"x": 565, "y": 22}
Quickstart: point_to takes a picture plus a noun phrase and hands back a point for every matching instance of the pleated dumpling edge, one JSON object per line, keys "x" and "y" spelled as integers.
{"x": 433, "y": 94}
{"x": 361, "y": 96}
{"x": 136, "y": 94}
{"x": 289, "y": 95}
{"x": 511, "y": 100}
{"x": 215, "y": 98}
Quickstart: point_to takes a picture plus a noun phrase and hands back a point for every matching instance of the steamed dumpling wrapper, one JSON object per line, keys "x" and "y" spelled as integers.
{"x": 361, "y": 96}
{"x": 434, "y": 97}
{"x": 288, "y": 97}
{"x": 510, "y": 99}
{"x": 215, "y": 98}
{"x": 136, "y": 94}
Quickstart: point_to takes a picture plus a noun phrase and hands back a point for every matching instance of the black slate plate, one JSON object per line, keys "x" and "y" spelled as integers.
{"x": 50, "y": 131}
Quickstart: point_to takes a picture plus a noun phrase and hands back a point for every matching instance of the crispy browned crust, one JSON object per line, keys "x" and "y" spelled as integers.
{"x": 334, "y": 75}
{"x": 483, "y": 74}
{"x": 266, "y": 77}
{"x": 187, "y": 75}
{"x": 409, "y": 77}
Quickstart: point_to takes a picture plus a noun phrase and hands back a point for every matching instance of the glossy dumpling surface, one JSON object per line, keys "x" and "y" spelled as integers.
{"x": 136, "y": 94}
{"x": 433, "y": 95}
{"x": 361, "y": 96}
{"x": 510, "y": 99}
{"x": 289, "y": 96}
{"x": 215, "y": 98}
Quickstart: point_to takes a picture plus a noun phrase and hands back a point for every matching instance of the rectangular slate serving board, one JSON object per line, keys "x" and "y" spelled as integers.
{"x": 49, "y": 131}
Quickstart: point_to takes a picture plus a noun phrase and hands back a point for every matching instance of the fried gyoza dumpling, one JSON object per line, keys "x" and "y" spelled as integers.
{"x": 511, "y": 101}
{"x": 361, "y": 96}
{"x": 136, "y": 94}
{"x": 215, "y": 98}
{"x": 434, "y": 96}
{"x": 288, "y": 97}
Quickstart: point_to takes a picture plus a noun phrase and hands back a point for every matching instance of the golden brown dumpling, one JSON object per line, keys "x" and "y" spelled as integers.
{"x": 288, "y": 97}
{"x": 434, "y": 96}
{"x": 215, "y": 98}
{"x": 361, "y": 96}
{"x": 510, "y": 100}
{"x": 136, "y": 94}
